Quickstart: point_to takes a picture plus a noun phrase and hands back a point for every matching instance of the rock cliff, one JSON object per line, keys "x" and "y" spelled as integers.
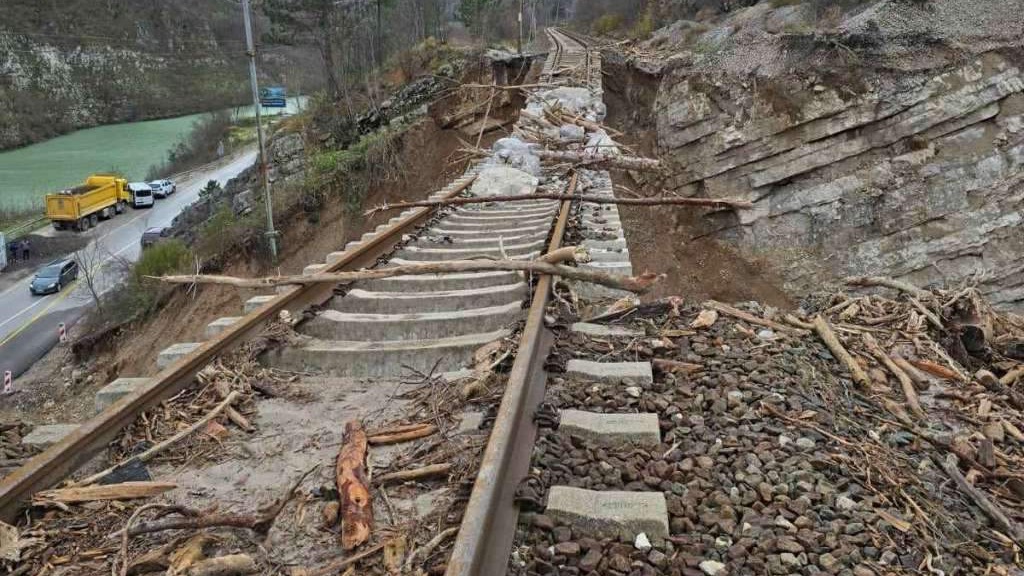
{"x": 887, "y": 139}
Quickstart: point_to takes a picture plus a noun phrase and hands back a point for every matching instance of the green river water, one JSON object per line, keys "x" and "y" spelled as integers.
{"x": 26, "y": 174}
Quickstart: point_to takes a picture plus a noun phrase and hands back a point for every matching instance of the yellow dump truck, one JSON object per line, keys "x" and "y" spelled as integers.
{"x": 82, "y": 207}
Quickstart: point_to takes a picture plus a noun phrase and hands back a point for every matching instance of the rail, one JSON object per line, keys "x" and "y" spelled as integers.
{"x": 488, "y": 524}
{"x": 63, "y": 458}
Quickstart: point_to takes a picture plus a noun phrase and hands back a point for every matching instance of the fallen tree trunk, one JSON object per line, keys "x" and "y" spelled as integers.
{"x": 638, "y": 284}
{"x": 609, "y": 160}
{"x": 353, "y": 487}
{"x": 656, "y": 201}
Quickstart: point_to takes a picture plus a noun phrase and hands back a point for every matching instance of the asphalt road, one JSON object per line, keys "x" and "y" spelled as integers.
{"x": 29, "y": 324}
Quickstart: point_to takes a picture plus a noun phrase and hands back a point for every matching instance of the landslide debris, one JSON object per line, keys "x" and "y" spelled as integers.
{"x": 773, "y": 460}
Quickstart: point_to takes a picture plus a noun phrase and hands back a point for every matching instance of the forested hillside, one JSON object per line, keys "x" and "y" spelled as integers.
{"x": 78, "y": 63}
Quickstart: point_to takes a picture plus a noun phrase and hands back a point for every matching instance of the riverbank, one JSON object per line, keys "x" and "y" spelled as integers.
{"x": 27, "y": 174}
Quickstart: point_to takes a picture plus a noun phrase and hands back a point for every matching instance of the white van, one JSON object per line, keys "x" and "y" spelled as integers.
{"x": 142, "y": 194}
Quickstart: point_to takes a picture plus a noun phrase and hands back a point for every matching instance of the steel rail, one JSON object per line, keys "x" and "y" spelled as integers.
{"x": 488, "y": 525}
{"x": 63, "y": 458}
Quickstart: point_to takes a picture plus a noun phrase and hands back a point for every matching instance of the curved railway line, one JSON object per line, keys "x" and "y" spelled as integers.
{"x": 384, "y": 329}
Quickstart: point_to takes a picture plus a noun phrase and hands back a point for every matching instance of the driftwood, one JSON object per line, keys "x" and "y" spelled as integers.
{"x": 638, "y": 284}
{"x": 839, "y": 351}
{"x": 992, "y": 510}
{"x": 234, "y": 415}
{"x": 336, "y": 566}
{"x": 665, "y": 365}
{"x": 737, "y": 313}
{"x": 609, "y": 160}
{"x": 919, "y": 378}
{"x": 145, "y": 456}
{"x": 909, "y": 392}
{"x": 935, "y": 369}
{"x": 231, "y": 565}
{"x": 424, "y": 551}
{"x": 353, "y": 487}
{"x": 413, "y": 433}
{"x": 872, "y": 281}
{"x": 655, "y": 201}
{"x": 415, "y": 474}
{"x": 191, "y": 552}
{"x": 122, "y": 491}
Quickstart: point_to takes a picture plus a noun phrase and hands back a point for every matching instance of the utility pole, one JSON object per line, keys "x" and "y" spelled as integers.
{"x": 271, "y": 234}
{"x": 519, "y": 41}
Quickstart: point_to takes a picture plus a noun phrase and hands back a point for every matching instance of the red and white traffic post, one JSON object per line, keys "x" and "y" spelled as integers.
{"x": 8, "y": 382}
{"x": 62, "y": 333}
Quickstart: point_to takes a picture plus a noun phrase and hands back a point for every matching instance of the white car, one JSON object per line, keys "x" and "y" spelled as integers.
{"x": 142, "y": 194}
{"x": 163, "y": 188}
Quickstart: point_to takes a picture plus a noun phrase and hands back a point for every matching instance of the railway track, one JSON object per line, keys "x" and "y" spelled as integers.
{"x": 357, "y": 345}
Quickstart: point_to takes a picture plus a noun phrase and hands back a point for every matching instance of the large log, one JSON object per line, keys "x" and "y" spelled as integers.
{"x": 637, "y": 284}
{"x": 655, "y": 201}
{"x": 609, "y": 160}
{"x": 353, "y": 487}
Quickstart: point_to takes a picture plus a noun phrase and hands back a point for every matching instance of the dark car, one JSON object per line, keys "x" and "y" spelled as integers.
{"x": 154, "y": 235}
{"x": 51, "y": 278}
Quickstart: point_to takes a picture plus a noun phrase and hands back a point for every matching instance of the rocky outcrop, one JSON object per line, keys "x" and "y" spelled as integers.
{"x": 854, "y": 167}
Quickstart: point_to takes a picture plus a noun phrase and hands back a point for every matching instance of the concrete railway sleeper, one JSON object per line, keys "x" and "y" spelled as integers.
{"x": 379, "y": 351}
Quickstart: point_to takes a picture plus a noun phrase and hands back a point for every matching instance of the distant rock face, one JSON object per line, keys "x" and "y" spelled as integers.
{"x": 916, "y": 174}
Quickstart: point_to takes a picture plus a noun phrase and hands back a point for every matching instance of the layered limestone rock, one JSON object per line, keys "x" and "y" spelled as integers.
{"x": 913, "y": 173}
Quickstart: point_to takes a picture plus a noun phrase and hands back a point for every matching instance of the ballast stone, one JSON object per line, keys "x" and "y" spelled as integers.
{"x": 611, "y": 372}
{"x": 610, "y": 514}
{"x": 612, "y": 429}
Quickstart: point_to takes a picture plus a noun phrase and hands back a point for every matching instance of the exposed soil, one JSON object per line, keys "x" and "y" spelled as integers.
{"x": 660, "y": 239}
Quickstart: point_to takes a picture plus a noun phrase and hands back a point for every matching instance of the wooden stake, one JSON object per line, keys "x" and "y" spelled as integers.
{"x": 638, "y": 284}
{"x": 725, "y": 203}
{"x": 353, "y": 487}
{"x": 122, "y": 491}
{"x": 839, "y": 351}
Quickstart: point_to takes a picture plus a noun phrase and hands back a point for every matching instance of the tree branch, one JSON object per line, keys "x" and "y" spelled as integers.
{"x": 658, "y": 201}
{"x": 638, "y": 284}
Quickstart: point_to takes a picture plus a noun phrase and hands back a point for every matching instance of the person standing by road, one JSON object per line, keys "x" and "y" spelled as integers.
{"x": 14, "y": 251}
{"x": 26, "y": 249}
